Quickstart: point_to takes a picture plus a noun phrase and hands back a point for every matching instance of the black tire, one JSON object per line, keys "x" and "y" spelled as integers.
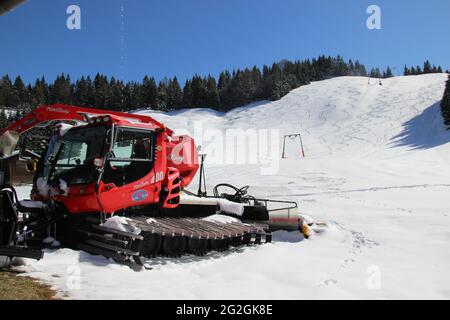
{"x": 174, "y": 246}
{"x": 219, "y": 244}
{"x": 258, "y": 239}
{"x": 246, "y": 239}
{"x": 5, "y": 262}
{"x": 197, "y": 246}
{"x": 150, "y": 245}
{"x": 268, "y": 237}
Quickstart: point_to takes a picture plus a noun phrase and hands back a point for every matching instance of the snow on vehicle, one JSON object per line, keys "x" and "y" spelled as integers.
{"x": 112, "y": 183}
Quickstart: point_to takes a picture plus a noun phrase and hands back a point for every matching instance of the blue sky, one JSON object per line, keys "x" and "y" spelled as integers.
{"x": 184, "y": 37}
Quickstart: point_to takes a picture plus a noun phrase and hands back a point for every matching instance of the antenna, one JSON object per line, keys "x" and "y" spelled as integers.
{"x": 202, "y": 179}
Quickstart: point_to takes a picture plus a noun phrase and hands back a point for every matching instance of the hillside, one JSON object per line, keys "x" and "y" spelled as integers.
{"x": 376, "y": 169}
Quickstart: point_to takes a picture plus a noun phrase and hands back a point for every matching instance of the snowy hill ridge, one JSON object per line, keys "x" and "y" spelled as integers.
{"x": 341, "y": 113}
{"x": 376, "y": 168}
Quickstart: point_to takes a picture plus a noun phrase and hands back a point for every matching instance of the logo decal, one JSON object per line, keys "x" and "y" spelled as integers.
{"x": 140, "y": 195}
{"x": 59, "y": 110}
{"x": 158, "y": 177}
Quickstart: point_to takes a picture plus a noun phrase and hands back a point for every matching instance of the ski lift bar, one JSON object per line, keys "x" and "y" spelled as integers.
{"x": 293, "y": 136}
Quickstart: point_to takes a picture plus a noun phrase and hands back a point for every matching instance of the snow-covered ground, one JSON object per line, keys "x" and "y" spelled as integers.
{"x": 376, "y": 168}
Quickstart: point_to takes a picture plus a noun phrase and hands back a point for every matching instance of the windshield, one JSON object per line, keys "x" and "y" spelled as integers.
{"x": 73, "y": 155}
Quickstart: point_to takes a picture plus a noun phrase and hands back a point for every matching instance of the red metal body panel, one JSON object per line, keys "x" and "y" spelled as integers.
{"x": 182, "y": 154}
{"x": 175, "y": 162}
{"x": 66, "y": 112}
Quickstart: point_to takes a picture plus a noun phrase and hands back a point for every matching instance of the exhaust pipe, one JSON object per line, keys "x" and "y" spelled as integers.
{"x": 9, "y": 5}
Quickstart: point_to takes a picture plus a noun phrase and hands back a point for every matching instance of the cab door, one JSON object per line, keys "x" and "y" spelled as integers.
{"x": 128, "y": 170}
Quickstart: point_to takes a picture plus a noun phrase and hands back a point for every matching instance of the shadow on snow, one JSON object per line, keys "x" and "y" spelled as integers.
{"x": 424, "y": 131}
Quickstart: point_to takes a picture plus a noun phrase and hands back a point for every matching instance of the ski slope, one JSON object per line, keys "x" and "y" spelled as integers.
{"x": 376, "y": 169}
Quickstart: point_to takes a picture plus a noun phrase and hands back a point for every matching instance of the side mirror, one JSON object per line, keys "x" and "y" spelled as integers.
{"x": 109, "y": 137}
{"x": 99, "y": 163}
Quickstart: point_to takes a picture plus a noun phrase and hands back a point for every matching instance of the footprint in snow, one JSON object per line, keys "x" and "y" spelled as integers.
{"x": 328, "y": 283}
{"x": 347, "y": 262}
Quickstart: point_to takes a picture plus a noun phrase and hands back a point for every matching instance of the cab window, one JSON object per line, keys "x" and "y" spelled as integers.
{"x": 131, "y": 158}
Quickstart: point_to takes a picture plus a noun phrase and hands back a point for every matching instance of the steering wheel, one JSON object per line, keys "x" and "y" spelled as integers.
{"x": 238, "y": 196}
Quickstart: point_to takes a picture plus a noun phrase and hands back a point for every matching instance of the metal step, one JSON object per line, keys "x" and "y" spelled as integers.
{"x": 102, "y": 252}
{"x": 118, "y": 232}
{"x": 103, "y": 237}
{"x": 111, "y": 247}
{"x": 22, "y": 252}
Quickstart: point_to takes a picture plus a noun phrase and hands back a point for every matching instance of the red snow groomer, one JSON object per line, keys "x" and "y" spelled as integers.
{"x": 112, "y": 183}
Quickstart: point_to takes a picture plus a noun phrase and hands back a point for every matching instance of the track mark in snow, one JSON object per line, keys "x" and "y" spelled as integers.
{"x": 158, "y": 263}
{"x": 358, "y": 242}
{"x": 372, "y": 189}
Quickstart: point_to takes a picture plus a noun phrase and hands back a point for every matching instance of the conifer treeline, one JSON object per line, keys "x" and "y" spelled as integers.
{"x": 445, "y": 103}
{"x": 427, "y": 68}
{"x": 230, "y": 90}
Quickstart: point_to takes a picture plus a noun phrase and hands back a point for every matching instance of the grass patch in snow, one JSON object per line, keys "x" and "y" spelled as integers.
{"x": 14, "y": 287}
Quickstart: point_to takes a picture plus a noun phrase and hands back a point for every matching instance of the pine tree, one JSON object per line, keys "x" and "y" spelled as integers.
{"x": 6, "y": 91}
{"x": 117, "y": 95}
{"x": 301, "y": 74}
{"x": 223, "y": 86}
{"x": 257, "y": 82}
{"x": 427, "y": 67}
{"x": 406, "y": 71}
{"x": 445, "y": 103}
{"x": 212, "y": 94}
{"x": 188, "y": 95}
{"x": 132, "y": 96}
{"x": 39, "y": 93}
{"x": 360, "y": 69}
{"x": 174, "y": 94}
{"x": 418, "y": 70}
{"x": 375, "y": 73}
{"x": 81, "y": 93}
{"x": 61, "y": 90}
{"x": 199, "y": 92}
{"x": 388, "y": 73}
{"x": 162, "y": 94}
{"x": 102, "y": 92}
{"x": 340, "y": 67}
{"x": 149, "y": 93}
{"x": 20, "y": 91}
